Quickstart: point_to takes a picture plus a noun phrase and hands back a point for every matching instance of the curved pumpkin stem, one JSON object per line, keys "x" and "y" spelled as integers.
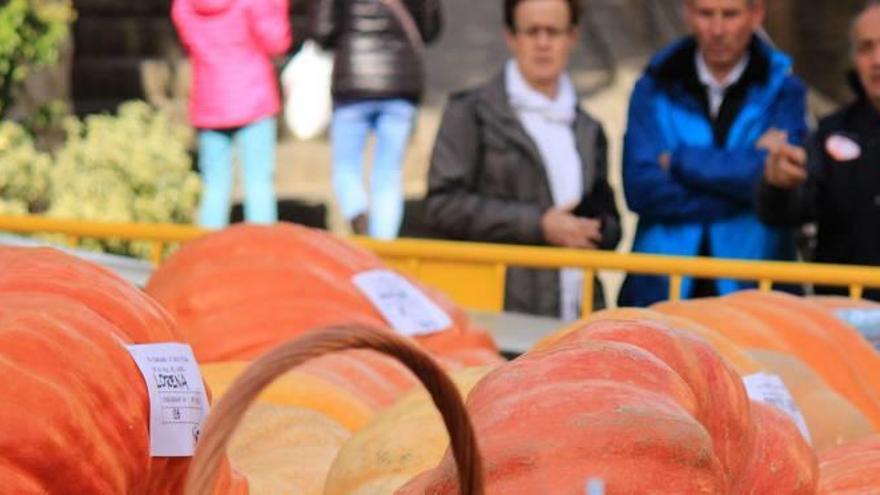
{"x": 228, "y": 412}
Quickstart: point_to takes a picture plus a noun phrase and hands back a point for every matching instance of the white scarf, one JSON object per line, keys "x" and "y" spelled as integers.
{"x": 550, "y": 124}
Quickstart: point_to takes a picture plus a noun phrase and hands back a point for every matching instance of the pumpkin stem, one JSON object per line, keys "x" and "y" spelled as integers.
{"x": 228, "y": 412}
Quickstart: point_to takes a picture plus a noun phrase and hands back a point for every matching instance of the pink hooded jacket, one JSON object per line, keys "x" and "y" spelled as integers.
{"x": 231, "y": 43}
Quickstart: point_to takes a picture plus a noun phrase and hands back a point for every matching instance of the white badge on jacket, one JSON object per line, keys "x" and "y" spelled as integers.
{"x": 842, "y": 148}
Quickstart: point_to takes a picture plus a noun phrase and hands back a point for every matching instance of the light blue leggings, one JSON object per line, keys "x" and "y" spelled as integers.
{"x": 256, "y": 152}
{"x": 392, "y": 122}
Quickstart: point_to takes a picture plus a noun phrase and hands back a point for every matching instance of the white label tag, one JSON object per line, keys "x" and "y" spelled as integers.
{"x": 404, "y": 307}
{"x": 770, "y": 389}
{"x": 866, "y": 321}
{"x": 178, "y": 403}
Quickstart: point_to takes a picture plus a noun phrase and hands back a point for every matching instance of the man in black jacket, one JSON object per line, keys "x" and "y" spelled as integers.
{"x": 836, "y": 180}
{"x": 517, "y": 161}
{"x": 378, "y": 79}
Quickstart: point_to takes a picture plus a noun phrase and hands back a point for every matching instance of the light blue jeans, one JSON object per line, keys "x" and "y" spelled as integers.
{"x": 392, "y": 122}
{"x": 256, "y": 152}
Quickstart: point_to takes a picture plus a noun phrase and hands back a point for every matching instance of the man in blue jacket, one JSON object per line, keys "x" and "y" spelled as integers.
{"x": 702, "y": 120}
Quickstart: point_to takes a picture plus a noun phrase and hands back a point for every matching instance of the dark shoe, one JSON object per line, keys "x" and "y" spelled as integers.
{"x": 359, "y": 224}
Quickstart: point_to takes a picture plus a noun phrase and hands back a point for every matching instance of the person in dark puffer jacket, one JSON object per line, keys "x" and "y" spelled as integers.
{"x": 834, "y": 180}
{"x": 378, "y": 79}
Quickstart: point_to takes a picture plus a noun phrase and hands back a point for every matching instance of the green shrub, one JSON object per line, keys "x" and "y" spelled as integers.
{"x": 132, "y": 167}
{"x": 24, "y": 172}
{"x": 129, "y": 167}
{"x": 31, "y": 32}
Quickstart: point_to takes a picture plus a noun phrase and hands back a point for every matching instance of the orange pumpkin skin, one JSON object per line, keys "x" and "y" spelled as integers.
{"x": 374, "y": 378}
{"x": 722, "y": 404}
{"x": 244, "y": 290}
{"x": 841, "y": 356}
{"x": 780, "y": 459}
{"x": 858, "y": 350}
{"x": 134, "y": 316}
{"x": 729, "y": 350}
{"x": 549, "y": 421}
{"x": 851, "y": 469}
{"x": 744, "y": 329}
{"x": 362, "y": 381}
{"x": 79, "y": 420}
{"x": 400, "y": 442}
{"x": 286, "y": 450}
{"x": 832, "y": 419}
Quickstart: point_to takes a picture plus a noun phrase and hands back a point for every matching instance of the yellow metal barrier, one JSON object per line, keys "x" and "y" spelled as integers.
{"x": 417, "y": 254}
{"x": 474, "y": 274}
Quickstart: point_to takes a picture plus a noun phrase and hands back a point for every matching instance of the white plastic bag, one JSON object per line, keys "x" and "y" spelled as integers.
{"x": 306, "y": 81}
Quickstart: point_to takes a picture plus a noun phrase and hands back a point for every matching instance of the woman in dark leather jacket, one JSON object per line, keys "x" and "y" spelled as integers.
{"x": 378, "y": 79}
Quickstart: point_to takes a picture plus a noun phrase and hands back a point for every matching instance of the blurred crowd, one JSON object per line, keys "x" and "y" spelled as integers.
{"x": 718, "y": 157}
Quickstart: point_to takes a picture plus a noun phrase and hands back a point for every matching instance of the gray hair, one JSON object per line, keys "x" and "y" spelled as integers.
{"x": 869, "y": 5}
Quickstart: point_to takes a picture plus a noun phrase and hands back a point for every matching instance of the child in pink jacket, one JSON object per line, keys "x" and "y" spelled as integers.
{"x": 234, "y": 98}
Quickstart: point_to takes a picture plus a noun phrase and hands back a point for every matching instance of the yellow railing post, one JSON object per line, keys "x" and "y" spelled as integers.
{"x": 500, "y": 283}
{"x": 856, "y": 291}
{"x": 675, "y": 287}
{"x": 765, "y": 285}
{"x": 589, "y": 292}
{"x": 158, "y": 247}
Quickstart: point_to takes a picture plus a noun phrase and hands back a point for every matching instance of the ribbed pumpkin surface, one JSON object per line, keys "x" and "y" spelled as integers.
{"x": 400, "y": 442}
{"x": 241, "y": 291}
{"x": 779, "y": 460}
{"x": 744, "y": 329}
{"x": 728, "y": 349}
{"x": 831, "y": 419}
{"x": 551, "y": 420}
{"x": 285, "y": 450}
{"x": 297, "y": 389}
{"x": 722, "y": 404}
{"x": 833, "y": 349}
{"x": 350, "y": 386}
{"x": 851, "y": 469}
{"x": 643, "y": 407}
{"x": 75, "y": 414}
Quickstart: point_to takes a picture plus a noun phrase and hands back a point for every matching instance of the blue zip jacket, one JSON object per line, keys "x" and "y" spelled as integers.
{"x": 706, "y": 197}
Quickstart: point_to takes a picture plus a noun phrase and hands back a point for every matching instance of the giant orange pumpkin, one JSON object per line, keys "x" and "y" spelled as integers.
{"x": 842, "y": 357}
{"x": 744, "y": 329}
{"x": 722, "y": 405}
{"x": 831, "y": 419}
{"x": 857, "y": 350}
{"x": 779, "y": 460}
{"x": 400, "y": 442}
{"x": 851, "y": 469}
{"x": 551, "y": 420}
{"x": 285, "y": 450}
{"x": 602, "y": 403}
{"x": 729, "y": 350}
{"x": 75, "y": 411}
{"x": 302, "y": 390}
{"x": 244, "y": 290}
